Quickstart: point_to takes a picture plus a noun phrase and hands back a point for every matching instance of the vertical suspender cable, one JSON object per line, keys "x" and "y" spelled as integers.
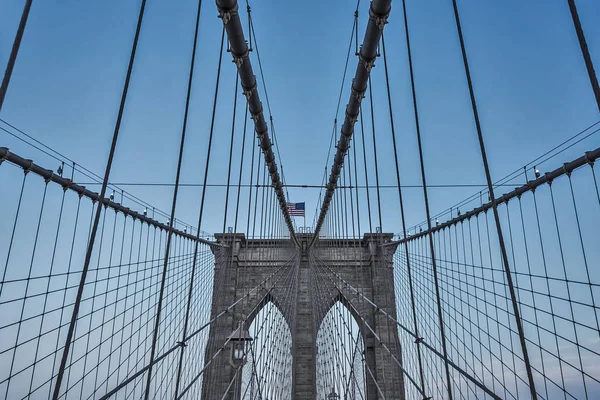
{"x": 195, "y": 259}
{"x": 495, "y": 207}
{"x": 13, "y": 53}
{"x": 90, "y": 246}
{"x": 428, "y": 216}
{"x": 426, "y": 199}
{"x": 393, "y": 131}
{"x": 237, "y": 77}
{"x": 210, "y": 137}
{"x": 239, "y": 188}
{"x": 375, "y": 153}
{"x": 250, "y": 186}
{"x": 378, "y": 14}
{"x": 228, "y": 12}
{"x": 174, "y": 204}
{"x": 364, "y": 149}
{"x": 585, "y": 52}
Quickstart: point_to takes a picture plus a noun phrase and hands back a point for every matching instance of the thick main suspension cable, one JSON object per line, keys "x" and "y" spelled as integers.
{"x": 378, "y": 14}
{"x": 228, "y": 12}
{"x": 68, "y": 184}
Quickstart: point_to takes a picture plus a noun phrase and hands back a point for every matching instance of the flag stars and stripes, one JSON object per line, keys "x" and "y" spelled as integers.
{"x": 296, "y": 209}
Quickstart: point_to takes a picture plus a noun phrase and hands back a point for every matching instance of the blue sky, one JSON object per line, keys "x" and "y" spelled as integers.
{"x": 529, "y": 77}
{"x": 530, "y": 82}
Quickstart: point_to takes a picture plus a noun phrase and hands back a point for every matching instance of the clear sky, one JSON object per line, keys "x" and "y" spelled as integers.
{"x": 530, "y": 82}
{"x": 529, "y": 78}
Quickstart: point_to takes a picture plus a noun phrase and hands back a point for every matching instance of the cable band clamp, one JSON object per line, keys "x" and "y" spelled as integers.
{"x": 226, "y": 15}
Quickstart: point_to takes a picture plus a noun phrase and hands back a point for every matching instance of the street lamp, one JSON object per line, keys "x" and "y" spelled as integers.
{"x": 333, "y": 395}
{"x": 240, "y": 345}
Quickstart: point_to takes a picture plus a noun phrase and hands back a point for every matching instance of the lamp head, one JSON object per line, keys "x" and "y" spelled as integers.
{"x": 240, "y": 341}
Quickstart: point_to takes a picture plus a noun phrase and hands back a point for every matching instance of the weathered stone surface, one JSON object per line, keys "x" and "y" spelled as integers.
{"x": 364, "y": 264}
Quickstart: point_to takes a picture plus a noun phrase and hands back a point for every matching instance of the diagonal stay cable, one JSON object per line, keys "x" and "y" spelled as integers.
{"x": 196, "y": 332}
{"x": 377, "y": 336}
{"x": 95, "y": 179}
{"x": 543, "y": 158}
{"x": 377, "y": 308}
{"x": 250, "y": 313}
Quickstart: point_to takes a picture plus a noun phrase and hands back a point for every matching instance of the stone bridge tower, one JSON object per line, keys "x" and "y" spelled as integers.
{"x": 364, "y": 264}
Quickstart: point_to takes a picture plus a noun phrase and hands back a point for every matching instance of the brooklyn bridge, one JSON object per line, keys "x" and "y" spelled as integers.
{"x": 152, "y": 246}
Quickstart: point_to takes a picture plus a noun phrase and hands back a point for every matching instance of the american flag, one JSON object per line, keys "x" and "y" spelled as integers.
{"x": 296, "y": 209}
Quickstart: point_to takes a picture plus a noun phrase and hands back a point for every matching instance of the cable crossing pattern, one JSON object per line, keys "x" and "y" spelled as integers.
{"x": 105, "y": 296}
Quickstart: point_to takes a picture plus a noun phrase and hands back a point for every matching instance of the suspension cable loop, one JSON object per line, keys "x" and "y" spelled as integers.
{"x": 495, "y": 207}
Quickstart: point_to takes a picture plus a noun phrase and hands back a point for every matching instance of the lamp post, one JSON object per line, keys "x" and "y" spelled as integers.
{"x": 240, "y": 345}
{"x": 333, "y": 395}
{"x": 239, "y": 341}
